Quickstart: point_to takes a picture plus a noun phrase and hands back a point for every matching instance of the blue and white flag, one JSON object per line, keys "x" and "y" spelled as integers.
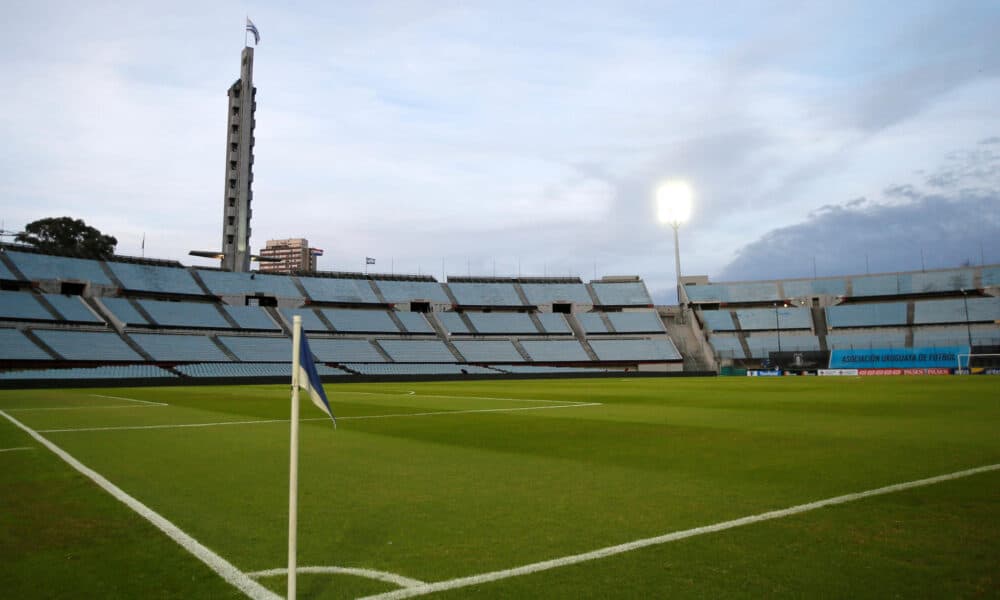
{"x": 309, "y": 378}
{"x": 253, "y": 29}
{"x": 369, "y": 260}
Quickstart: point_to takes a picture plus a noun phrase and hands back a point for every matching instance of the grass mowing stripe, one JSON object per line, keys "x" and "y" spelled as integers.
{"x": 215, "y": 562}
{"x": 461, "y": 582}
{"x": 129, "y": 399}
{"x": 28, "y": 408}
{"x": 458, "y": 397}
{"x": 356, "y": 418}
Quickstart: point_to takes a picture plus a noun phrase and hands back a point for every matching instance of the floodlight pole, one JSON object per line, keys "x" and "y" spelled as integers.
{"x": 677, "y": 269}
{"x": 968, "y": 328}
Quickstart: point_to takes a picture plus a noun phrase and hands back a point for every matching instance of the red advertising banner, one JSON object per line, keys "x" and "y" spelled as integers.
{"x": 878, "y": 372}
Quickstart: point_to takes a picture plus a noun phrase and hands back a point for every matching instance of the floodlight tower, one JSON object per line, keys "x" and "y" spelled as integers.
{"x": 673, "y": 201}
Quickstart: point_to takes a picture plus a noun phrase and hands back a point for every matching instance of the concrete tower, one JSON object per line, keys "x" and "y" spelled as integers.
{"x": 239, "y": 168}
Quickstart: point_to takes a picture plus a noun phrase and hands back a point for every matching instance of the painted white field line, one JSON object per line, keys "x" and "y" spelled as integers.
{"x": 670, "y": 537}
{"x": 465, "y": 397}
{"x": 367, "y": 573}
{"x": 351, "y": 418}
{"x": 129, "y": 399}
{"x": 15, "y": 449}
{"x": 29, "y": 408}
{"x": 215, "y": 562}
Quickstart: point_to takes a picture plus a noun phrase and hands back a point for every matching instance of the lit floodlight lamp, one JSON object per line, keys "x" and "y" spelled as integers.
{"x": 673, "y": 201}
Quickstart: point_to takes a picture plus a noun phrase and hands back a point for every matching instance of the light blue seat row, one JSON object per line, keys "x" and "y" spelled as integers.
{"x": 951, "y": 336}
{"x": 5, "y": 273}
{"x": 88, "y": 345}
{"x": 555, "y": 350}
{"x": 547, "y": 293}
{"x": 485, "y": 294}
{"x": 591, "y": 322}
{"x": 761, "y": 345}
{"x": 241, "y": 370}
{"x": 733, "y": 292}
{"x": 417, "y": 351}
{"x": 22, "y": 306}
{"x": 636, "y": 322}
{"x": 991, "y": 276}
{"x": 259, "y": 349}
{"x": 452, "y": 322}
{"x": 913, "y": 283}
{"x": 181, "y": 348}
{"x": 417, "y": 369}
{"x": 14, "y": 345}
{"x": 527, "y": 369}
{"x": 485, "y": 351}
{"x": 341, "y": 350}
{"x": 954, "y": 310}
{"x": 40, "y": 267}
{"x": 407, "y": 291}
{"x": 184, "y": 314}
{"x": 815, "y": 287}
{"x": 150, "y": 278}
{"x": 109, "y": 372}
{"x": 752, "y": 319}
{"x": 310, "y": 322}
{"x": 414, "y": 322}
{"x": 727, "y": 346}
{"x": 718, "y": 320}
{"x": 554, "y": 323}
{"x": 225, "y": 283}
{"x": 251, "y": 317}
{"x": 622, "y": 294}
{"x": 72, "y": 308}
{"x": 657, "y": 349}
{"x": 124, "y": 311}
{"x": 866, "y": 339}
{"x": 502, "y": 323}
{"x": 866, "y": 315}
{"x": 359, "y": 320}
{"x": 339, "y": 290}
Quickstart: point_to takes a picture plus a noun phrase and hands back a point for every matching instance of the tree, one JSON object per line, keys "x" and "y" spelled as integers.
{"x": 65, "y": 235}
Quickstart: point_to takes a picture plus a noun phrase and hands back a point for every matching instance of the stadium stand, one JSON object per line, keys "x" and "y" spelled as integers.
{"x": 181, "y": 348}
{"x": 718, "y": 320}
{"x": 761, "y": 345}
{"x": 15, "y": 346}
{"x": 547, "y": 369}
{"x": 417, "y": 351}
{"x": 87, "y": 345}
{"x": 414, "y": 322}
{"x": 591, "y": 322}
{"x": 727, "y": 346}
{"x": 555, "y": 351}
{"x": 259, "y": 349}
{"x": 22, "y": 306}
{"x": 548, "y": 293}
{"x": 224, "y": 283}
{"x": 488, "y": 351}
{"x": 644, "y": 350}
{"x": 954, "y": 311}
{"x": 360, "y": 320}
{"x": 991, "y": 277}
{"x": 151, "y": 278}
{"x": 417, "y": 369}
{"x": 882, "y": 338}
{"x": 124, "y": 311}
{"x": 621, "y": 294}
{"x": 406, "y": 291}
{"x": 502, "y": 323}
{"x": 194, "y": 315}
{"x": 752, "y": 319}
{"x": 5, "y": 273}
{"x": 732, "y": 292}
{"x": 344, "y": 350}
{"x": 41, "y": 267}
{"x": 251, "y": 317}
{"x": 310, "y": 322}
{"x": 71, "y": 308}
{"x": 353, "y": 291}
{"x": 815, "y": 287}
{"x": 243, "y": 370}
{"x": 636, "y": 322}
{"x": 452, "y": 322}
{"x": 485, "y": 294}
{"x": 901, "y": 284}
{"x": 554, "y": 323}
{"x": 866, "y": 315}
{"x": 109, "y": 372}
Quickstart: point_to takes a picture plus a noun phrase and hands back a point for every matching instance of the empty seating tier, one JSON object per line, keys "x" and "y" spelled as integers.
{"x": 549, "y": 293}
{"x": 22, "y": 306}
{"x": 727, "y": 346}
{"x": 761, "y": 345}
{"x": 957, "y": 311}
{"x": 452, "y": 322}
{"x": 180, "y": 348}
{"x": 502, "y": 323}
{"x": 645, "y": 350}
{"x": 328, "y": 350}
{"x": 259, "y": 349}
{"x": 310, "y": 322}
{"x": 72, "y": 308}
{"x": 41, "y": 267}
{"x": 555, "y": 351}
{"x": 815, "y": 287}
{"x": 866, "y": 315}
{"x": 718, "y": 320}
{"x": 485, "y": 294}
{"x": 88, "y": 345}
{"x": 251, "y": 317}
{"x": 184, "y": 314}
{"x": 847, "y": 340}
{"x": 5, "y": 273}
{"x": 622, "y": 294}
{"x": 488, "y": 351}
{"x": 225, "y": 283}
{"x": 407, "y": 291}
{"x": 360, "y": 320}
{"x": 752, "y": 319}
{"x": 123, "y": 310}
{"x": 554, "y": 323}
{"x": 636, "y": 322}
{"x": 591, "y": 322}
{"x": 417, "y": 351}
{"x": 913, "y": 283}
{"x": 733, "y": 292}
{"x": 355, "y": 291}
{"x": 991, "y": 277}
{"x": 414, "y": 322}
{"x": 418, "y": 369}
{"x": 119, "y": 372}
{"x": 225, "y": 370}
{"x": 150, "y": 278}
{"x": 14, "y": 345}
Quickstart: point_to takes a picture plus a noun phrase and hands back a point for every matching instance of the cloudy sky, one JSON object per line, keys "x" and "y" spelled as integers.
{"x": 506, "y": 137}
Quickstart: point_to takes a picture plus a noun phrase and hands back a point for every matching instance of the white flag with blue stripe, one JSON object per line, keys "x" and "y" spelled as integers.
{"x": 309, "y": 378}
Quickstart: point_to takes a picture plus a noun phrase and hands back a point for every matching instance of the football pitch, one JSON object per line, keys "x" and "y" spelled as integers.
{"x": 618, "y": 487}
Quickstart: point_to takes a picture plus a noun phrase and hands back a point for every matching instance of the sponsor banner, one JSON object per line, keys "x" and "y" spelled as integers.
{"x": 897, "y": 358}
{"x": 873, "y": 372}
{"x": 837, "y": 372}
{"x": 764, "y": 373}
{"x": 978, "y": 371}
{"x": 879, "y": 372}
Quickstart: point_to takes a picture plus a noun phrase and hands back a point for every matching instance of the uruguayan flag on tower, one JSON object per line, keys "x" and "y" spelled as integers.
{"x": 309, "y": 378}
{"x": 253, "y": 29}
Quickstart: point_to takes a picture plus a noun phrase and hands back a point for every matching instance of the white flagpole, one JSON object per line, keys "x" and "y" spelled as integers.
{"x": 293, "y": 463}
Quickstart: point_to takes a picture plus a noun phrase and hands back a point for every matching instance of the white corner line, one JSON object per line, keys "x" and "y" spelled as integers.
{"x": 129, "y": 399}
{"x": 386, "y": 576}
{"x": 461, "y": 582}
{"x": 221, "y": 566}
{"x": 32, "y": 409}
{"x": 16, "y": 449}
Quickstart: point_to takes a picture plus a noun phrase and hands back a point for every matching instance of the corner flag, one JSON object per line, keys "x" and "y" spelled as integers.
{"x": 308, "y": 379}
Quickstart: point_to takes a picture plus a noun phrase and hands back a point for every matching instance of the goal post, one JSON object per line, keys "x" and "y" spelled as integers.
{"x": 969, "y": 360}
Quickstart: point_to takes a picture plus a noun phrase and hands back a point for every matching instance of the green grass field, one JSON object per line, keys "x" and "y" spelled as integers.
{"x": 437, "y": 481}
